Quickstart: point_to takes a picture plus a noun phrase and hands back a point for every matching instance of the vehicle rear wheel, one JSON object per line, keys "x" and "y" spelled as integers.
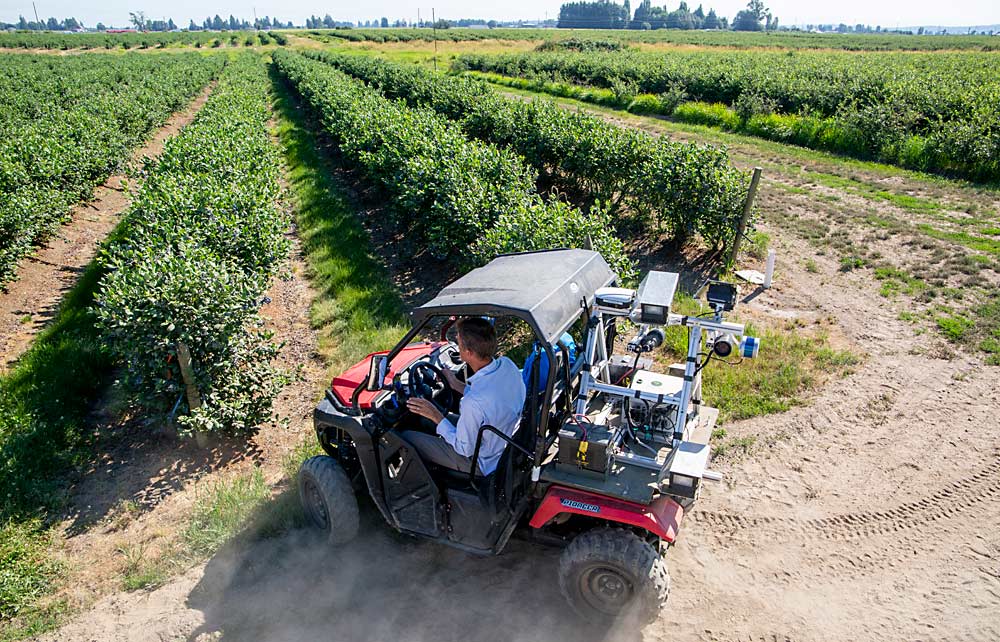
{"x": 328, "y": 498}
{"x": 607, "y": 573}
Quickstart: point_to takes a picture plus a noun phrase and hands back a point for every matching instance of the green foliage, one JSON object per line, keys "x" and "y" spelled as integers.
{"x": 102, "y": 40}
{"x": 670, "y": 99}
{"x": 68, "y": 122}
{"x": 884, "y": 41}
{"x": 933, "y": 112}
{"x": 849, "y": 263}
{"x": 750, "y": 103}
{"x": 955, "y": 327}
{"x": 645, "y": 104}
{"x": 684, "y": 188}
{"x": 582, "y": 44}
{"x": 557, "y": 226}
{"x": 451, "y": 189}
{"x": 195, "y": 254}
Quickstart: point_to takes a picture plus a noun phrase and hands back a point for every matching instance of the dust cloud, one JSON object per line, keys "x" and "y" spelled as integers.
{"x": 386, "y": 586}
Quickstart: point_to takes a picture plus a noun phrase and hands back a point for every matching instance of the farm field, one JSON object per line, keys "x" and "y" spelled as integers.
{"x": 67, "y": 123}
{"x": 926, "y": 111}
{"x": 315, "y": 192}
{"x": 86, "y": 41}
{"x": 741, "y": 40}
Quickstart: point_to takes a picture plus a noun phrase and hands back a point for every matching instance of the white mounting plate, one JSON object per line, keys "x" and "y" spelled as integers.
{"x": 751, "y": 276}
{"x": 691, "y": 456}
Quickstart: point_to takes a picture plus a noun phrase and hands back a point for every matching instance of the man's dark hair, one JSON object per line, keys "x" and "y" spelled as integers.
{"x": 478, "y": 336}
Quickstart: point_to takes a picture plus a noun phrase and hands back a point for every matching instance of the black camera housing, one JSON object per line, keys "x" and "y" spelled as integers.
{"x": 722, "y": 293}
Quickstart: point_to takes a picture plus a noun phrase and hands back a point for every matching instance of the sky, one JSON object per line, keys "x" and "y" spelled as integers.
{"x": 887, "y": 13}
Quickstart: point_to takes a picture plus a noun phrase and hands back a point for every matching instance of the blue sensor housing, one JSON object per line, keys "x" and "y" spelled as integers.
{"x": 749, "y": 347}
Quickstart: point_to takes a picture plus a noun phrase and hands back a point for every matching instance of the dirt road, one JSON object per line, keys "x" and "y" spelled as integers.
{"x": 870, "y": 514}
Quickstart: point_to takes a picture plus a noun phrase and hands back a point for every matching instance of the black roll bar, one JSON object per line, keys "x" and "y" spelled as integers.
{"x": 479, "y": 443}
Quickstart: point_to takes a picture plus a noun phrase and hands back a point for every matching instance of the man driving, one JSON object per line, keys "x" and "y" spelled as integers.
{"x": 493, "y": 395}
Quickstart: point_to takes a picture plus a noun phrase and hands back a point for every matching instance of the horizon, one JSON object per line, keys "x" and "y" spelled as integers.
{"x": 889, "y": 15}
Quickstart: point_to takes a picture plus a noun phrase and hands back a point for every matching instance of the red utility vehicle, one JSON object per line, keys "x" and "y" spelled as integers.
{"x": 608, "y": 455}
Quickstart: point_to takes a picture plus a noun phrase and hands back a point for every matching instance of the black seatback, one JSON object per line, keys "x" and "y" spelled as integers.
{"x": 506, "y": 484}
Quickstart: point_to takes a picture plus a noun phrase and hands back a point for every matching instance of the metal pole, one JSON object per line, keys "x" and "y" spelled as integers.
{"x": 36, "y": 12}
{"x": 434, "y": 26}
{"x": 745, "y": 218}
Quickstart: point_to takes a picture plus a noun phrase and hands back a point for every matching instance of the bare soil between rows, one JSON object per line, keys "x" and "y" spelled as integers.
{"x": 870, "y": 513}
{"x": 44, "y": 278}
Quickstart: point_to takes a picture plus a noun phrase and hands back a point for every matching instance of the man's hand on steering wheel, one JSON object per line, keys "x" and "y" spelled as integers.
{"x": 425, "y": 408}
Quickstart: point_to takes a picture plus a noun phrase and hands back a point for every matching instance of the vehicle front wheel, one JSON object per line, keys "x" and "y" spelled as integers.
{"x": 607, "y": 573}
{"x": 328, "y": 498}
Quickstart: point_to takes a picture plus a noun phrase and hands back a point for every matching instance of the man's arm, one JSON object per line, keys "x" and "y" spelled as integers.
{"x": 452, "y": 380}
{"x": 463, "y": 436}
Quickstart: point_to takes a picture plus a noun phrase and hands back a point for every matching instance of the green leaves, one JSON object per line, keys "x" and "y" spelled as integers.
{"x": 466, "y": 198}
{"x": 684, "y": 188}
{"x": 927, "y": 111}
{"x": 194, "y": 257}
{"x": 66, "y": 123}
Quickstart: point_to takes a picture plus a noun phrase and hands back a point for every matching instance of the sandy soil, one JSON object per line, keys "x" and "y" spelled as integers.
{"x": 872, "y": 513}
{"x": 44, "y": 278}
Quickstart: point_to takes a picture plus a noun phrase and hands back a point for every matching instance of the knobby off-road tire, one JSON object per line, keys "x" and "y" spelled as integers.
{"x": 328, "y": 498}
{"x": 607, "y": 573}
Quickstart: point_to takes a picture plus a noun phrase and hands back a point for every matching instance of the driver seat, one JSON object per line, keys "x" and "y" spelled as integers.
{"x": 496, "y": 490}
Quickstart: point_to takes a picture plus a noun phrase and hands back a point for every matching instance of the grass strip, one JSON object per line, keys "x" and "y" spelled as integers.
{"x": 357, "y": 310}
{"x": 45, "y": 402}
{"x": 789, "y": 365}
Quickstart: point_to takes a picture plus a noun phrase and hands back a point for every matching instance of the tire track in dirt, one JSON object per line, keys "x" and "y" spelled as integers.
{"x": 948, "y": 502}
{"x": 43, "y": 279}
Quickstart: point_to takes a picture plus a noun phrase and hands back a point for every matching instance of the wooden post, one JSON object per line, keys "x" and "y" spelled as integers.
{"x": 194, "y": 399}
{"x": 747, "y": 207}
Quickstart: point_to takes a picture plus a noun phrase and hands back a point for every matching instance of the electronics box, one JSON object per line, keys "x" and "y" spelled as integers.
{"x": 620, "y": 365}
{"x": 590, "y": 451}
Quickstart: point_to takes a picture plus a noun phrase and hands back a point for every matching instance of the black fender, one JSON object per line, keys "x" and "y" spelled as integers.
{"x": 329, "y": 416}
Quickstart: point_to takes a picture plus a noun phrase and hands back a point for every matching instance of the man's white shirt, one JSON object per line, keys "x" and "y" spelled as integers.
{"x": 493, "y": 396}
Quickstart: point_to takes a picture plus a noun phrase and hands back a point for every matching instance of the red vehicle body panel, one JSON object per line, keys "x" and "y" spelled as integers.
{"x": 662, "y": 517}
{"x": 344, "y": 385}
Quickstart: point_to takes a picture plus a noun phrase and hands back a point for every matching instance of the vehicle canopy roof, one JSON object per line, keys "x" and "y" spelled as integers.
{"x": 546, "y": 289}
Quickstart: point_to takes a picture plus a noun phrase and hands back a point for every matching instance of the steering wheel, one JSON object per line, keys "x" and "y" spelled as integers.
{"x": 426, "y": 380}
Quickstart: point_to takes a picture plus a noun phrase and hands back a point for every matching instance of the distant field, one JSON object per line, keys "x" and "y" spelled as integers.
{"x": 47, "y": 40}
{"x": 742, "y": 40}
{"x": 936, "y": 112}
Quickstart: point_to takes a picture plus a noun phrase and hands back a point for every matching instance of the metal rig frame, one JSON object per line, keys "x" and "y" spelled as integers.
{"x": 597, "y": 379}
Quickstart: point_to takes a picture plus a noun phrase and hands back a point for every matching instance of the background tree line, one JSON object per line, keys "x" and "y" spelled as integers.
{"x": 605, "y": 14}
{"x": 140, "y": 22}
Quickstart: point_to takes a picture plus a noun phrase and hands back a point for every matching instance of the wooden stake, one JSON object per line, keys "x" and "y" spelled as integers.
{"x": 190, "y": 388}
{"x": 745, "y": 218}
